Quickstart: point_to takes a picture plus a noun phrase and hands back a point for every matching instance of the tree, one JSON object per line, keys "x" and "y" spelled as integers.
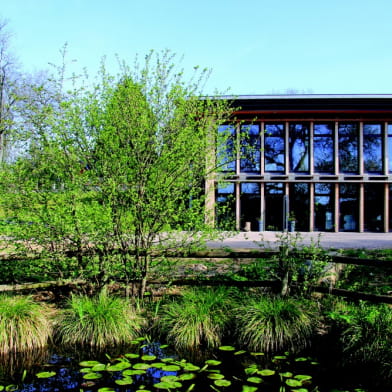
{"x": 119, "y": 169}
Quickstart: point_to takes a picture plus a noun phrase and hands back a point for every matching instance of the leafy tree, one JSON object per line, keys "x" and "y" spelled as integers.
{"x": 117, "y": 171}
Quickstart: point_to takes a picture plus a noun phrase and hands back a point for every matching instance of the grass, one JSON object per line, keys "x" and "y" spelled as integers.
{"x": 98, "y": 322}
{"x": 272, "y": 324}
{"x": 24, "y": 324}
{"x": 197, "y": 319}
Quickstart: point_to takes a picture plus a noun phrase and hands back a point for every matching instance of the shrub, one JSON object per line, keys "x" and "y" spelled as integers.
{"x": 24, "y": 324}
{"x": 271, "y": 324}
{"x": 198, "y": 318}
{"x": 98, "y": 322}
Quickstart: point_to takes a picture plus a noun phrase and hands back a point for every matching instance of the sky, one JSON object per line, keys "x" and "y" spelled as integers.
{"x": 252, "y": 46}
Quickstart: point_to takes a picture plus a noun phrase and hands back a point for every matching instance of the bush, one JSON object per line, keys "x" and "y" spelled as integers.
{"x": 24, "y": 324}
{"x": 271, "y": 324}
{"x": 198, "y": 318}
{"x": 98, "y": 322}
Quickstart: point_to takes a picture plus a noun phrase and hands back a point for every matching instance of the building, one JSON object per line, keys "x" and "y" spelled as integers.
{"x": 324, "y": 161}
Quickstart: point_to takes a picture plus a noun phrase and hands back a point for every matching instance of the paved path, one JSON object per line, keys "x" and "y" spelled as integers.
{"x": 269, "y": 239}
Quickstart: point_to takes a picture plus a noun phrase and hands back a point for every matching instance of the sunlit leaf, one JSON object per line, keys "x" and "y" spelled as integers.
{"x": 141, "y": 366}
{"x": 227, "y": 348}
{"x": 168, "y": 385}
{"x": 293, "y": 383}
{"x": 45, "y": 374}
{"x": 266, "y": 372}
{"x": 255, "y": 380}
{"x": 88, "y": 363}
{"x": 248, "y": 388}
{"x": 132, "y": 355}
{"x": 213, "y": 362}
{"x": 124, "y": 381}
{"x": 171, "y": 368}
{"x": 216, "y": 376}
{"x": 222, "y": 383}
{"x": 133, "y": 372}
{"x": 92, "y": 376}
{"x": 148, "y": 357}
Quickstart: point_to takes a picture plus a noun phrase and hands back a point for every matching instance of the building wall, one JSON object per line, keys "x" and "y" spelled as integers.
{"x": 329, "y": 169}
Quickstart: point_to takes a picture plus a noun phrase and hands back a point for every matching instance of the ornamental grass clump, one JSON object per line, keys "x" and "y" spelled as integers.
{"x": 273, "y": 324}
{"x": 198, "y": 318}
{"x": 98, "y": 322}
{"x": 24, "y": 324}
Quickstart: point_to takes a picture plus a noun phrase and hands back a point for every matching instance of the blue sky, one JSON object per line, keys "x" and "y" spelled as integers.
{"x": 252, "y": 46}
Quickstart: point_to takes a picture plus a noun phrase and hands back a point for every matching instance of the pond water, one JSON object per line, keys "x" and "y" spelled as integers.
{"x": 154, "y": 367}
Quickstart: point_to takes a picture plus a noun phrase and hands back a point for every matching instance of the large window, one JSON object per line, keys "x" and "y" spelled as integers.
{"x": 348, "y": 148}
{"x": 348, "y": 207}
{"x": 374, "y": 207}
{"x": 323, "y": 148}
{"x": 274, "y": 148}
{"x": 299, "y": 147}
{"x": 250, "y": 149}
{"x": 226, "y": 151}
{"x": 299, "y": 205}
{"x": 250, "y": 206}
{"x": 323, "y": 207}
{"x": 274, "y": 199}
{"x": 372, "y": 148}
{"x": 225, "y": 206}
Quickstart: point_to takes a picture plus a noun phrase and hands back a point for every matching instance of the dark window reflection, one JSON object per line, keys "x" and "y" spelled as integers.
{"x": 299, "y": 147}
{"x": 372, "y": 148}
{"x": 323, "y": 207}
{"x": 225, "y": 206}
{"x": 274, "y": 193}
{"x": 226, "y": 148}
{"x": 274, "y": 148}
{"x": 323, "y": 148}
{"x": 348, "y": 148}
{"x": 250, "y": 149}
{"x": 374, "y": 207}
{"x": 250, "y": 205}
{"x": 299, "y": 205}
{"x": 348, "y": 207}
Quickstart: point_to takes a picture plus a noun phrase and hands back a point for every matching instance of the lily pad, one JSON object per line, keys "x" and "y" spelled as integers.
{"x": 216, "y": 376}
{"x": 148, "y": 357}
{"x": 132, "y": 355}
{"x": 169, "y": 378}
{"x": 222, "y": 383}
{"x": 227, "y": 348}
{"x": 141, "y": 366}
{"x": 106, "y": 389}
{"x": 171, "y": 368}
{"x": 118, "y": 367}
{"x": 240, "y": 352}
{"x": 92, "y": 376}
{"x": 191, "y": 368}
{"x": 286, "y": 374}
{"x": 266, "y": 372}
{"x": 99, "y": 367}
{"x": 88, "y": 363}
{"x": 255, "y": 380}
{"x": 293, "y": 383}
{"x": 213, "y": 362}
{"x": 187, "y": 376}
{"x": 248, "y": 388}
{"x": 45, "y": 374}
{"x": 133, "y": 372}
{"x": 168, "y": 385}
{"x": 124, "y": 381}
{"x": 303, "y": 377}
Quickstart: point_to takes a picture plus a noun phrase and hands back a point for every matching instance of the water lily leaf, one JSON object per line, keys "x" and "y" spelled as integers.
{"x": 255, "y": 380}
{"x": 171, "y": 368}
{"x": 85, "y": 370}
{"x": 148, "y": 357}
{"x": 141, "y": 366}
{"x": 293, "y": 383}
{"x": 132, "y": 355}
{"x": 248, "y": 388}
{"x": 216, "y": 376}
{"x": 222, "y": 383}
{"x": 163, "y": 346}
{"x": 106, "y": 389}
{"x": 266, "y": 372}
{"x": 251, "y": 370}
{"x": 169, "y": 378}
{"x": 280, "y": 357}
{"x": 286, "y": 374}
{"x": 303, "y": 377}
{"x": 98, "y": 368}
{"x": 227, "y": 348}
{"x": 124, "y": 381}
{"x": 157, "y": 365}
{"x": 88, "y": 363}
{"x": 168, "y": 385}
{"x": 257, "y": 354}
{"x": 133, "y": 372}
{"x": 2, "y": 388}
{"x": 45, "y": 374}
{"x": 191, "y": 368}
{"x": 300, "y": 390}
{"x": 168, "y": 359}
{"x": 118, "y": 367}
{"x": 92, "y": 376}
{"x": 301, "y": 359}
{"x": 213, "y": 362}
{"x": 187, "y": 376}
{"x": 240, "y": 352}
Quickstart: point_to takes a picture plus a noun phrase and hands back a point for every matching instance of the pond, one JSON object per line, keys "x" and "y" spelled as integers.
{"x": 147, "y": 366}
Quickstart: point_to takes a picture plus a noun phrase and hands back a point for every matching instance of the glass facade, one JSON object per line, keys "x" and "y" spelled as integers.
{"x": 335, "y": 175}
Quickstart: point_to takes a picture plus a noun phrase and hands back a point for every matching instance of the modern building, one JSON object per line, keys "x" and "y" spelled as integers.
{"x": 324, "y": 161}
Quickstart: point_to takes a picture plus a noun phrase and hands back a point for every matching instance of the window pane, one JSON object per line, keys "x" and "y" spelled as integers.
{"x": 323, "y": 207}
{"x": 348, "y": 207}
{"x": 274, "y": 148}
{"x": 299, "y": 205}
{"x": 226, "y": 148}
{"x": 250, "y": 149}
{"x": 250, "y": 205}
{"x": 225, "y": 206}
{"x": 374, "y": 207}
{"x": 323, "y": 148}
{"x": 372, "y": 148}
{"x": 348, "y": 148}
{"x": 274, "y": 193}
{"x": 299, "y": 147}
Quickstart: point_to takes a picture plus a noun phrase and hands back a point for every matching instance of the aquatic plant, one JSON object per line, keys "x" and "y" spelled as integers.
{"x": 271, "y": 324}
{"x": 198, "y": 318}
{"x": 98, "y": 322}
{"x": 24, "y": 324}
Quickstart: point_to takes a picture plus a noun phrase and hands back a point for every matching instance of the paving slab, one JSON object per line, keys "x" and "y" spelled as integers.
{"x": 327, "y": 240}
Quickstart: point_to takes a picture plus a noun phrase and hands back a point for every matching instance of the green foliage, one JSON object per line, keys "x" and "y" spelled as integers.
{"x": 270, "y": 324}
{"x": 98, "y": 322}
{"x": 24, "y": 324}
{"x": 198, "y": 318}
